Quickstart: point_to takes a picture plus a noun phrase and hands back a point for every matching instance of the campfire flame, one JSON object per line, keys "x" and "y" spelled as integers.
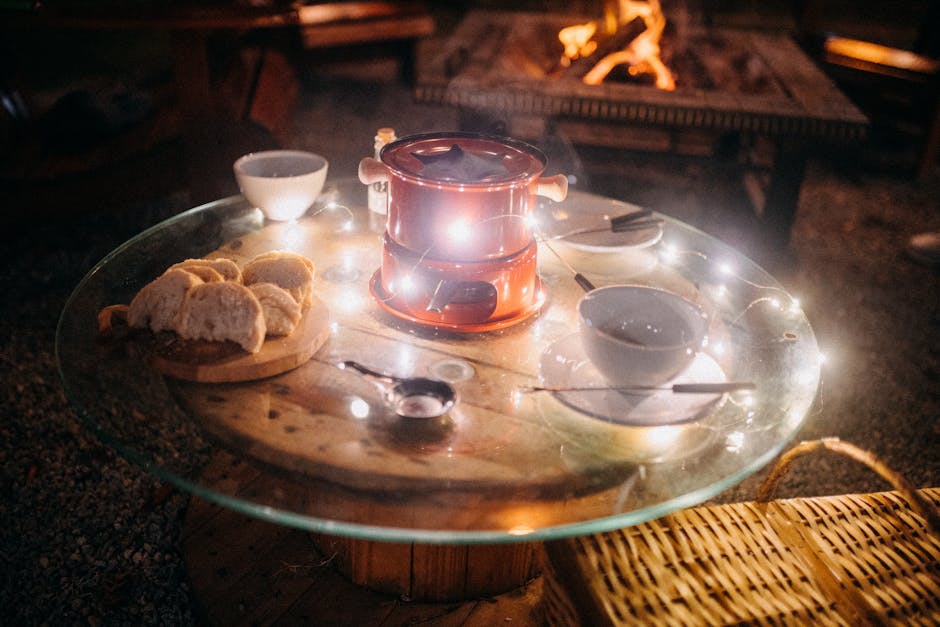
{"x": 642, "y": 54}
{"x": 577, "y": 42}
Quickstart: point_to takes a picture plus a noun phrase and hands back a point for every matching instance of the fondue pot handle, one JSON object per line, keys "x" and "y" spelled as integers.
{"x": 552, "y": 187}
{"x": 372, "y": 171}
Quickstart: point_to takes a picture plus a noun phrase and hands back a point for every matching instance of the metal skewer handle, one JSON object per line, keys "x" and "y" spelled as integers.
{"x": 678, "y": 388}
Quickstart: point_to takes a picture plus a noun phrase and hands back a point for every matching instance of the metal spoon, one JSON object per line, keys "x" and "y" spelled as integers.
{"x": 410, "y": 397}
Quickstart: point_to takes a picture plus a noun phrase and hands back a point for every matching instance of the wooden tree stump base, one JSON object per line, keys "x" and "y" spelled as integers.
{"x": 245, "y": 571}
{"x": 431, "y": 572}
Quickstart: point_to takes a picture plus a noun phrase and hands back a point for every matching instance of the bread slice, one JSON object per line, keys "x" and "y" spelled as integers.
{"x": 206, "y": 273}
{"x": 281, "y": 254}
{"x": 281, "y": 311}
{"x": 227, "y": 268}
{"x": 223, "y": 311}
{"x": 289, "y": 271}
{"x": 157, "y": 305}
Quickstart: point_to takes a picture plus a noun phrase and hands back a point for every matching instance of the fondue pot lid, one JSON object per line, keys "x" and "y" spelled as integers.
{"x": 463, "y": 158}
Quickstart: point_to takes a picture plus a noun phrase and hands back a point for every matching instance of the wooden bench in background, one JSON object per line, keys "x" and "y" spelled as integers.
{"x": 269, "y": 90}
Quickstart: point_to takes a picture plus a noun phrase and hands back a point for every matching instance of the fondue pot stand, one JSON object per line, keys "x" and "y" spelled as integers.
{"x": 459, "y": 251}
{"x": 462, "y": 295}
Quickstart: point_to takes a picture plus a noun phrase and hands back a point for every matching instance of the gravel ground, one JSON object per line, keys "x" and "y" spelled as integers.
{"x": 86, "y": 538}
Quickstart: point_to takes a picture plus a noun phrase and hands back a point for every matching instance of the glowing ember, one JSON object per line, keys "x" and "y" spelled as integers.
{"x": 641, "y": 56}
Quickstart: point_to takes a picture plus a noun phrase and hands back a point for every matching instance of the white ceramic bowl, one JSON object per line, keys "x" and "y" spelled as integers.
{"x": 282, "y": 183}
{"x": 637, "y": 335}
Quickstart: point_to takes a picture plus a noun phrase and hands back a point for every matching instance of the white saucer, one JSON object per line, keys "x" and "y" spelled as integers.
{"x": 564, "y": 363}
{"x": 561, "y": 221}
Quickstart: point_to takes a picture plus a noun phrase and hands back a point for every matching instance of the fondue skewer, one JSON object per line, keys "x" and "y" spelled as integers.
{"x": 579, "y": 278}
{"x": 678, "y": 388}
{"x": 633, "y": 216}
{"x": 621, "y": 228}
{"x": 620, "y": 224}
{"x": 636, "y": 226}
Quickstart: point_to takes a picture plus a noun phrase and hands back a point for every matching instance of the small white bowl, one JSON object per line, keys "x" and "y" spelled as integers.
{"x": 282, "y": 183}
{"x": 637, "y": 335}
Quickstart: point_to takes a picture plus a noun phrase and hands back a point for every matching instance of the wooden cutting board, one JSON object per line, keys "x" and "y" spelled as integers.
{"x": 225, "y": 362}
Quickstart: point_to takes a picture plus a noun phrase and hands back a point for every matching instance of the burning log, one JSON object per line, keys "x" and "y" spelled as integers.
{"x": 630, "y": 36}
{"x": 607, "y": 45}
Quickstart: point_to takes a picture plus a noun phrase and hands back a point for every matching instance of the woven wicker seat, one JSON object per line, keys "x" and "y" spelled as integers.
{"x": 839, "y": 560}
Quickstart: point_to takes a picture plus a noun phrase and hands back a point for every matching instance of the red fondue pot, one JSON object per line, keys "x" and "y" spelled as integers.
{"x": 461, "y": 196}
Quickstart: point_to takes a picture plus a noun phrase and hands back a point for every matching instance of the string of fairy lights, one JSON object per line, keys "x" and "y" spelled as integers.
{"x": 724, "y": 283}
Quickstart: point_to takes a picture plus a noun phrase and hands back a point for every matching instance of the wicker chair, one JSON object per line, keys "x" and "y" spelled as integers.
{"x": 839, "y": 560}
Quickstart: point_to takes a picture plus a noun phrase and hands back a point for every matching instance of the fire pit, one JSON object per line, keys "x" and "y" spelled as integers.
{"x": 508, "y": 66}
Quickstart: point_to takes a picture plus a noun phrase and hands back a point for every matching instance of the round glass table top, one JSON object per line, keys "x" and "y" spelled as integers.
{"x": 320, "y": 446}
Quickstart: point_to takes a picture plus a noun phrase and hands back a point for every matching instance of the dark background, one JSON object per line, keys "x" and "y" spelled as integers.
{"x": 86, "y": 538}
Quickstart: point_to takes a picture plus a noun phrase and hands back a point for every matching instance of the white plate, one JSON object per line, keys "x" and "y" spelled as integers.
{"x": 565, "y": 364}
{"x": 560, "y": 222}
